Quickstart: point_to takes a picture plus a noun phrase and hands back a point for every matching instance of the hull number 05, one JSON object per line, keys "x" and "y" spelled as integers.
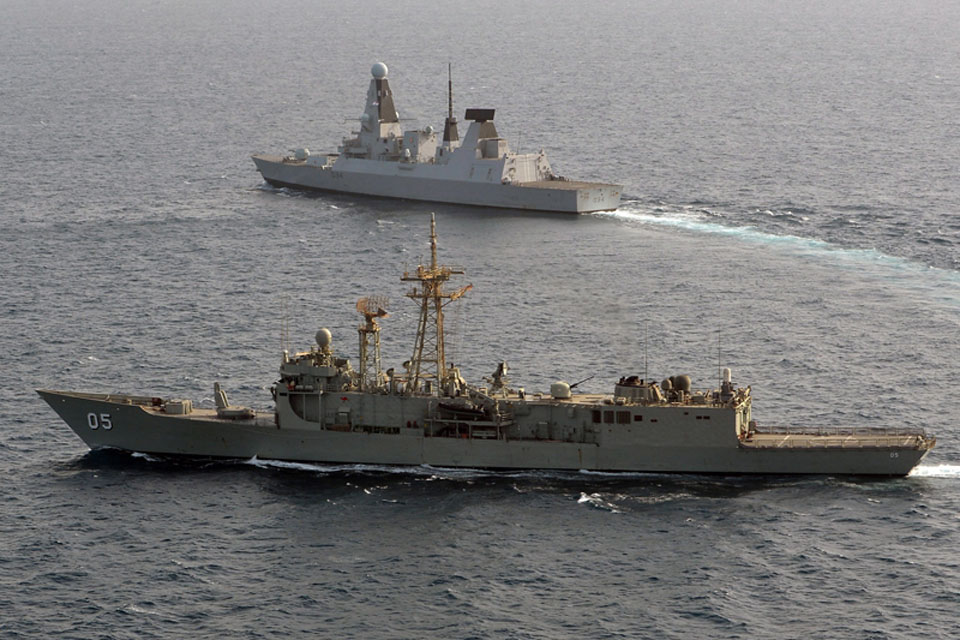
{"x": 99, "y": 420}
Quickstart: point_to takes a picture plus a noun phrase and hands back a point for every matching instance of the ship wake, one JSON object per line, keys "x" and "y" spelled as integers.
{"x": 936, "y": 471}
{"x": 942, "y": 285}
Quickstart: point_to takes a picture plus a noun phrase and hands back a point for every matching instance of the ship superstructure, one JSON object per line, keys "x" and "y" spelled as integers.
{"x": 425, "y": 413}
{"x": 381, "y": 159}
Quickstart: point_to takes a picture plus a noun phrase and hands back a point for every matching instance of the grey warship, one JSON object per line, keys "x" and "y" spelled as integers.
{"x": 383, "y": 160}
{"x": 327, "y": 411}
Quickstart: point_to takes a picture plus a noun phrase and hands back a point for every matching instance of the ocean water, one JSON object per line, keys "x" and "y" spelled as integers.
{"x": 792, "y": 190}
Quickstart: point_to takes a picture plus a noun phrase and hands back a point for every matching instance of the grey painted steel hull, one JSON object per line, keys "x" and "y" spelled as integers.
{"x": 135, "y": 428}
{"x": 417, "y": 182}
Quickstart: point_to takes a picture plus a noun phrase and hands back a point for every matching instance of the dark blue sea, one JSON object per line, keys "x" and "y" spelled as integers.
{"x": 792, "y": 191}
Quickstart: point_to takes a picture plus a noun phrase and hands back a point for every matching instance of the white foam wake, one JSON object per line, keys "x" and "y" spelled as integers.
{"x": 319, "y": 467}
{"x": 939, "y": 284}
{"x": 329, "y": 468}
{"x": 596, "y": 500}
{"x": 936, "y": 471}
{"x": 282, "y": 464}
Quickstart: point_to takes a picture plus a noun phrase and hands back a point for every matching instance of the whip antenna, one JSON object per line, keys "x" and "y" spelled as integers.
{"x": 644, "y": 349}
{"x": 719, "y": 362}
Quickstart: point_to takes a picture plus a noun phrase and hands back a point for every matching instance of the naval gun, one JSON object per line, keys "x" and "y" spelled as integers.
{"x": 580, "y": 382}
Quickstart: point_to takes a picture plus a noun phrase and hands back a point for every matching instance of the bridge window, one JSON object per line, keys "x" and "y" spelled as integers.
{"x": 597, "y": 416}
{"x": 608, "y": 417}
{"x": 623, "y": 417}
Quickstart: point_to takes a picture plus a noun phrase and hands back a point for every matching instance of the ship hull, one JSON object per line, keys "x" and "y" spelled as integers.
{"x": 133, "y": 427}
{"x": 427, "y": 182}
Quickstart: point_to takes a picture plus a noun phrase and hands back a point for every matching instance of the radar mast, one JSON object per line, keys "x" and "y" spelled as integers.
{"x": 428, "y": 363}
{"x": 371, "y": 373}
{"x": 450, "y": 134}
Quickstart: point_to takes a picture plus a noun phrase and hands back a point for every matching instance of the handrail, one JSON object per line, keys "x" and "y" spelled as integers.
{"x": 840, "y": 431}
{"x": 837, "y": 438}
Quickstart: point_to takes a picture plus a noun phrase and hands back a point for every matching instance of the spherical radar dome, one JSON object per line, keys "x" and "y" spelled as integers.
{"x": 324, "y": 338}
{"x": 379, "y": 71}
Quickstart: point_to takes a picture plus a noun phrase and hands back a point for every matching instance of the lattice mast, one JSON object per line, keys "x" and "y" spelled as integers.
{"x": 371, "y": 308}
{"x": 428, "y": 363}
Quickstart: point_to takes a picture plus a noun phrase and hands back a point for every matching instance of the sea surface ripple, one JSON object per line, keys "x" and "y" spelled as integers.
{"x": 790, "y": 172}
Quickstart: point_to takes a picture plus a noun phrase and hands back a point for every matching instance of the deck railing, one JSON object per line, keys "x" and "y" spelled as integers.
{"x": 840, "y": 431}
{"x": 837, "y": 437}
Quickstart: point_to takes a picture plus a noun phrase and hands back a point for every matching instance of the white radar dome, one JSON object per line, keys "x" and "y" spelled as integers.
{"x": 379, "y": 70}
{"x": 324, "y": 338}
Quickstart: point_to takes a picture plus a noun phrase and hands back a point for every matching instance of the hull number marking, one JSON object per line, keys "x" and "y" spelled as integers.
{"x": 98, "y": 421}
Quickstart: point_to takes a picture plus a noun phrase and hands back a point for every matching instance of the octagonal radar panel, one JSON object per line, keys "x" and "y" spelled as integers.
{"x": 379, "y": 70}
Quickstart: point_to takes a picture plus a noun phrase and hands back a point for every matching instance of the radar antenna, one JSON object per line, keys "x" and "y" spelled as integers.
{"x": 428, "y": 363}
{"x": 372, "y": 308}
{"x": 450, "y": 134}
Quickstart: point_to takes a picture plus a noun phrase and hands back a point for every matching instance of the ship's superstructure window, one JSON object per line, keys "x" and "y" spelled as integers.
{"x": 608, "y": 417}
{"x": 623, "y": 417}
{"x": 597, "y": 416}
{"x": 638, "y": 417}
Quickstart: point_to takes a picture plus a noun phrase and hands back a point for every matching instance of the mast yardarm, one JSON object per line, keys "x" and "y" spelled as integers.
{"x": 428, "y": 366}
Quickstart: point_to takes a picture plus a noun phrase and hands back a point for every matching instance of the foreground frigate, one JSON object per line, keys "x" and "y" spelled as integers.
{"x": 427, "y": 414}
{"x": 383, "y": 160}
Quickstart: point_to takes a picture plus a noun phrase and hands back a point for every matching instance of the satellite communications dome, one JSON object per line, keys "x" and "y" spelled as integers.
{"x": 379, "y": 70}
{"x": 324, "y": 338}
